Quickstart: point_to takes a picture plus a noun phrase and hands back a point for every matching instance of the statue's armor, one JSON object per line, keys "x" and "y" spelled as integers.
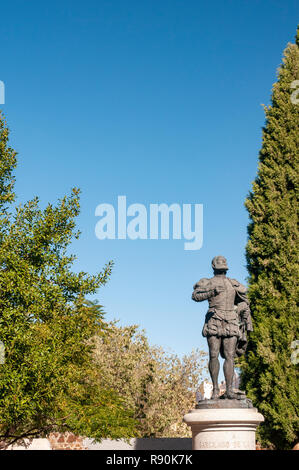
{"x": 223, "y": 295}
{"x": 225, "y": 300}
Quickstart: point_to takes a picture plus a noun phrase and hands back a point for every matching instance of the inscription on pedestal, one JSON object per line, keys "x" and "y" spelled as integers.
{"x": 228, "y": 444}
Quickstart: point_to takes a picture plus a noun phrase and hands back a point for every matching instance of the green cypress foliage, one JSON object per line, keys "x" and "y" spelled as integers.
{"x": 269, "y": 371}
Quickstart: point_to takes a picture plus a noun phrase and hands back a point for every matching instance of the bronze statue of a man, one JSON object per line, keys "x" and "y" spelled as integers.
{"x": 226, "y": 323}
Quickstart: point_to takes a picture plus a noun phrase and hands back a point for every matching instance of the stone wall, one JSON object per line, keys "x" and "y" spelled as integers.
{"x": 66, "y": 441}
{"x": 166, "y": 443}
{"x": 69, "y": 441}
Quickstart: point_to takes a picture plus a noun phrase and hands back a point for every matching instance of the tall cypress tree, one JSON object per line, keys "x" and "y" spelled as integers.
{"x": 269, "y": 371}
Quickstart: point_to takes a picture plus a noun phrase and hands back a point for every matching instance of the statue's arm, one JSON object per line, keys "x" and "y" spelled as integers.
{"x": 199, "y": 294}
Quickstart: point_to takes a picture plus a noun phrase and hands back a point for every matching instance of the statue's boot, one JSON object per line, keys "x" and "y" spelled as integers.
{"x": 230, "y": 394}
{"x": 235, "y": 394}
{"x": 215, "y": 393}
{"x": 239, "y": 394}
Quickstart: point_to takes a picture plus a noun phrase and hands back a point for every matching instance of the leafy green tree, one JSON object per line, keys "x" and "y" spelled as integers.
{"x": 268, "y": 373}
{"x": 159, "y": 387}
{"x": 48, "y": 380}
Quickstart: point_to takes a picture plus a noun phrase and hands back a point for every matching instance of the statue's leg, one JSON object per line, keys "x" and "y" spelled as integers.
{"x": 229, "y": 350}
{"x": 214, "y": 347}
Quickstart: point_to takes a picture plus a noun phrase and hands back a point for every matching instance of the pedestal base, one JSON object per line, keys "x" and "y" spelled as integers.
{"x": 224, "y": 403}
{"x": 223, "y": 428}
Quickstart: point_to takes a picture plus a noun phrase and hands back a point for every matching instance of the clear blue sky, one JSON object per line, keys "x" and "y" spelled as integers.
{"x": 158, "y": 100}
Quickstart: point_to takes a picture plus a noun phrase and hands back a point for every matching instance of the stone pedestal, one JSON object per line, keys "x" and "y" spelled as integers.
{"x": 223, "y": 428}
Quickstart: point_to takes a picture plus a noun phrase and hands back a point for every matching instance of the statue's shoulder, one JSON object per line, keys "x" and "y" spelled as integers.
{"x": 238, "y": 286}
{"x": 203, "y": 285}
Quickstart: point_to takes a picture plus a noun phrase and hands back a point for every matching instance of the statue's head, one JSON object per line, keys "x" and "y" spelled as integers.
{"x": 219, "y": 263}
